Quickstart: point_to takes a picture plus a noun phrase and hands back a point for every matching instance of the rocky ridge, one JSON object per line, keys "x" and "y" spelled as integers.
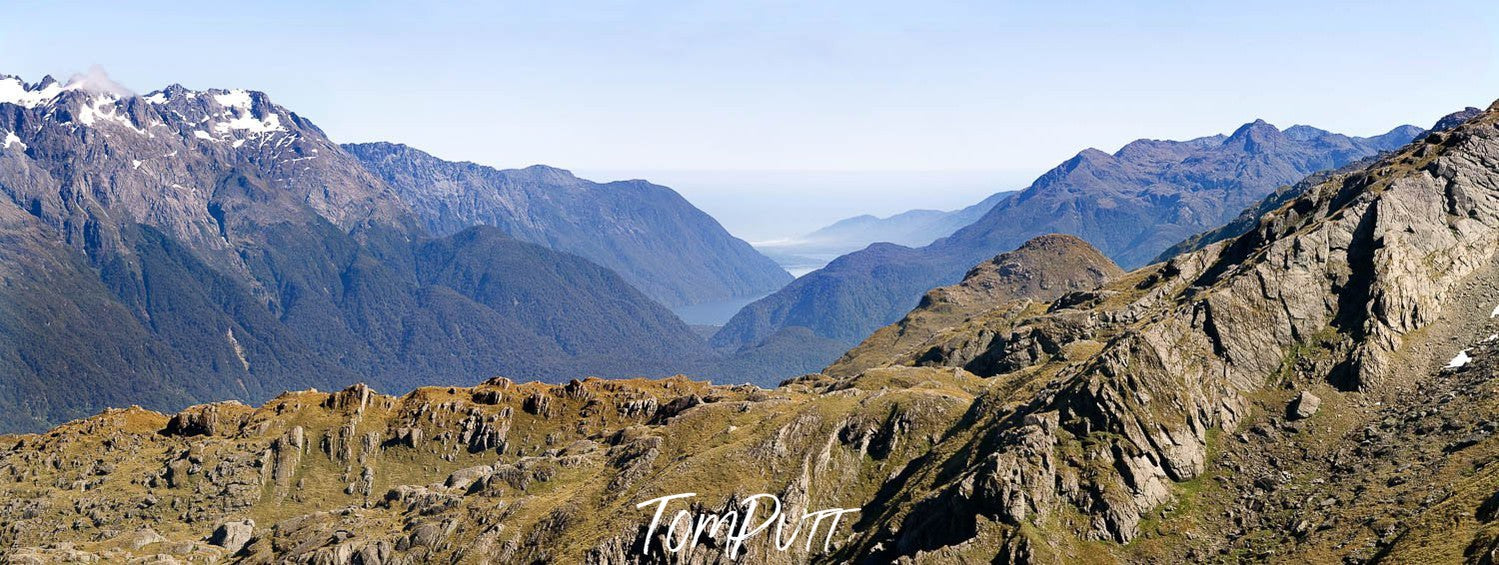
{"x": 501, "y": 472}
{"x": 1012, "y": 286}
{"x": 1162, "y": 417}
{"x": 1131, "y": 204}
{"x": 1343, "y": 288}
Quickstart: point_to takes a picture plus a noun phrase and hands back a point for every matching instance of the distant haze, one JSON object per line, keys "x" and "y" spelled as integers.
{"x": 766, "y": 206}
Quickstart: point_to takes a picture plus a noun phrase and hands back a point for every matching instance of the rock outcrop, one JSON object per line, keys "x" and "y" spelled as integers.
{"x": 1317, "y": 389}
{"x": 1038, "y": 272}
{"x": 315, "y": 477}
{"x": 1304, "y": 406}
{"x": 233, "y": 536}
{"x": 1131, "y": 205}
{"x": 1333, "y": 287}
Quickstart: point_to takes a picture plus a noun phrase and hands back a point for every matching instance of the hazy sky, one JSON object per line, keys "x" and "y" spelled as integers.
{"x": 1005, "y": 88}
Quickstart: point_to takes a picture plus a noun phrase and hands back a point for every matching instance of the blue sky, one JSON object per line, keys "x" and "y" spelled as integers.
{"x": 637, "y": 88}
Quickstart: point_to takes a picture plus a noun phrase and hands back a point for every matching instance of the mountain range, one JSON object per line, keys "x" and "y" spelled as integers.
{"x": 911, "y": 228}
{"x": 649, "y": 234}
{"x": 1317, "y": 389}
{"x": 1131, "y": 205}
{"x": 211, "y": 245}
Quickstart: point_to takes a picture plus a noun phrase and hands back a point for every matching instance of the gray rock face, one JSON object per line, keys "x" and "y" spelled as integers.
{"x": 1456, "y": 119}
{"x": 950, "y": 320}
{"x": 1303, "y": 406}
{"x": 220, "y": 418}
{"x": 1362, "y": 261}
{"x": 1131, "y": 205}
{"x": 464, "y": 478}
{"x": 233, "y": 536}
{"x": 649, "y": 234}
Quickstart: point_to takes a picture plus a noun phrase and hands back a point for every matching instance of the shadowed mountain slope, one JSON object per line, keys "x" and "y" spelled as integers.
{"x": 647, "y": 233}
{"x": 1359, "y": 291}
{"x": 1318, "y": 389}
{"x": 1131, "y": 205}
{"x": 194, "y": 245}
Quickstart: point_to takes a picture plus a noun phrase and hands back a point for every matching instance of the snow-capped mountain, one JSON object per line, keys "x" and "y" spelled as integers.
{"x": 184, "y": 245}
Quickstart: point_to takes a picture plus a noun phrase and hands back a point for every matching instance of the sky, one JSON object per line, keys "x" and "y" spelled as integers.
{"x": 884, "y": 106}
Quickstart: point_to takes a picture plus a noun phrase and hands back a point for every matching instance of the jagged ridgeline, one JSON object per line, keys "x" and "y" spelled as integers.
{"x": 649, "y": 234}
{"x": 1131, "y": 205}
{"x": 188, "y": 246}
{"x": 1317, "y": 389}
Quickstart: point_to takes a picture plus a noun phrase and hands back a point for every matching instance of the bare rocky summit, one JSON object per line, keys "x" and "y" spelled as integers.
{"x": 1131, "y": 205}
{"x": 1012, "y": 286}
{"x": 1164, "y": 416}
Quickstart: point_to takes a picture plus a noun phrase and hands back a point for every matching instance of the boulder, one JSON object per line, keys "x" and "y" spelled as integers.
{"x": 233, "y": 536}
{"x": 1303, "y": 406}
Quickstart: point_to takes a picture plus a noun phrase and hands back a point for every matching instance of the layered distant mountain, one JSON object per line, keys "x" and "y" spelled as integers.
{"x": 186, "y": 246}
{"x": 1319, "y": 389}
{"x": 1151, "y": 194}
{"x": 1131, "y": 205}
{"x": 647, "y": 233}
{"x": 912, "y": 228}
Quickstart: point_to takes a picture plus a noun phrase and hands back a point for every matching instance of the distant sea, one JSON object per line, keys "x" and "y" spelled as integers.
{"x": 767, "y": 206}
{"x": 713, "y": 313}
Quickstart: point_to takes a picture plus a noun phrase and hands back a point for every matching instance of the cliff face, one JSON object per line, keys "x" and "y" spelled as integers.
{"x": 1131, "y": 204}
{"x": 1362, "y": 288}
{"x": 1317, "y": 389}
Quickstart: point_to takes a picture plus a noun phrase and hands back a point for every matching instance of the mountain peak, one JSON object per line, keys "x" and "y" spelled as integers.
{"x": 1406, "y": 129}
{"x": 1255, "y": 136}
{"x": 1258, "y": 126}
{"x": 549, "y": 171}
{"x": 1093, "y": 153}
{"x": 1301, "y": 132}
{"x": 14, "y": 90}
{"x": 1089, "y": 156}
{"x": 1054, "y": 241}
{"x": 1042, "y": 269}
{"x": 1455, "y": 119}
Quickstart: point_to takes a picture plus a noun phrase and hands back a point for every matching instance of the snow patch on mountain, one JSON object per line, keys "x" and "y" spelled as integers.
{"x": 249, "y": 123}
{"x": 106, "y": 108}
{"x": 14, "y": 91}
{"x": 234, "y": 99}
